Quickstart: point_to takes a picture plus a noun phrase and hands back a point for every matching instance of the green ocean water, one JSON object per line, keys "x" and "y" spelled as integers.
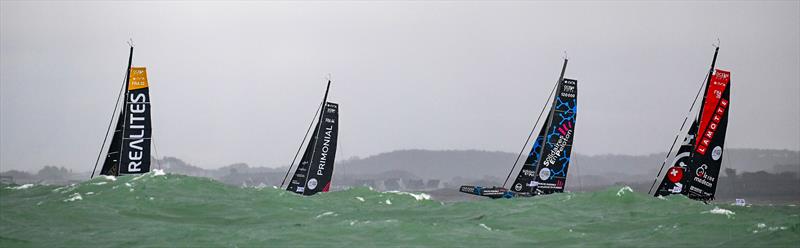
{"x": 174, "y": 210}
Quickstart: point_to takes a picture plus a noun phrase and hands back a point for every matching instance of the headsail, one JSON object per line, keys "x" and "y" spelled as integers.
{"x": 315, "y": 171}
{"x": 526, "y": 179}
{"x": 674, "y": 181}
{"x": 111, "y": 163}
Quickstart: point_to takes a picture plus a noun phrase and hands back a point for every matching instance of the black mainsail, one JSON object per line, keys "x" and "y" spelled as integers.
{"x": 545, "y": 168}
{"x": 315, "y": 170}
{"x": 129, "y": 150}
{"x": 696, "y": 165}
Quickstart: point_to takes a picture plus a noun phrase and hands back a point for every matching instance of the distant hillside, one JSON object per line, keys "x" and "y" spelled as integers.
{"x": 434, "y": 164}
{"x": 450, "y": 164}
{"x": 773, "y": 175}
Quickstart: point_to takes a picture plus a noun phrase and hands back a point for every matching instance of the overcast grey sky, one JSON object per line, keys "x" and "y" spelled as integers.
{"x": 239, "y": 82}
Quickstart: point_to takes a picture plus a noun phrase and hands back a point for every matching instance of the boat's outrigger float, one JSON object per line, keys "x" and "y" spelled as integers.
{"x": 491, "y": 192}
{"x": 545, "y": 169}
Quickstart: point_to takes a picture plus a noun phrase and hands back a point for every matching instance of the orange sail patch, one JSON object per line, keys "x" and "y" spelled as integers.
{"x": 138, "y": 78}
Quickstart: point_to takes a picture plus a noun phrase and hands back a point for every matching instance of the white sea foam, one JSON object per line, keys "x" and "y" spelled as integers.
{"x": 388, "y": 202}
{"x": 56, "y": 190}
{"x": 159, "y": 172}
{"x": 128, "y": 184}
{"x": 417, "y": 196}
{"x": 722, "y": 211}
{"x": 89, "y": 193}
{"x": 24, "y": 186}
{"x": 323, "y": 214}
{"x": 761, "y": 225}
{"x": 138, "y": 177}
{"x": 100, "y": 183}
{"x": 623, "y": 189}
{"x": 360, "y": 198}
{"x": 74, "y": 197}
{"x": 485, "y": 226}
{"x": 110, "y": 178}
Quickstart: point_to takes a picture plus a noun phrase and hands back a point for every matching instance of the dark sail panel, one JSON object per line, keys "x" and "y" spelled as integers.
{"x": 551, "y": 170}
{"x": 111, "y": 163}
{"x": 297, "y": 184}
{"x": 696, "y": 165}
{"x": 137, "y": 130}
{"x": 711, "y": 139}
{"x": 526, "y": 180}
{"x": 315, "y": 171}
{"x": 674, "y": 180}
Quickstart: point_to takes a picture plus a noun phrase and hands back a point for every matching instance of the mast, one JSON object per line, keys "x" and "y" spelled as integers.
{"x": 705, "y": 95}
{"x": 552, "y": 110}
{"x": 125, "y": 109}
{"x": 123, "y": 87}
{"x": 708, "y": 81}
{"x": 533, "y": 129}
{"x": 704, "y": 88}
{"x": 319, "y": 125}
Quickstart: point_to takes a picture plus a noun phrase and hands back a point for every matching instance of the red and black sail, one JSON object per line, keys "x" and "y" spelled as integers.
{"x": 696, "y": 165}
{"x": 710, "y": 141}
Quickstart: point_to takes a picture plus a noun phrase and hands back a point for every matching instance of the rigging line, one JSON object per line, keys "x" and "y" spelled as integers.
{"x": 577, "y": 171}
{"x": 110, "y": 122}
{"x": 338, "y": 149}
{"x": 124, "y": 111}
{"x": 531, "y": 134}
{"x": 680, "y": 131}
{"x": 301, "y": 145}
{"x": 156, "y": 150}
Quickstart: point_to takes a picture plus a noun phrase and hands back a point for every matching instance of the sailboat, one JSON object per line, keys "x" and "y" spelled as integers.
{"x": 315, "y": 171}
{"x": 545, "y": 169}
{"x": 696, "y": 164}
{"x": 129, "y": 150}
